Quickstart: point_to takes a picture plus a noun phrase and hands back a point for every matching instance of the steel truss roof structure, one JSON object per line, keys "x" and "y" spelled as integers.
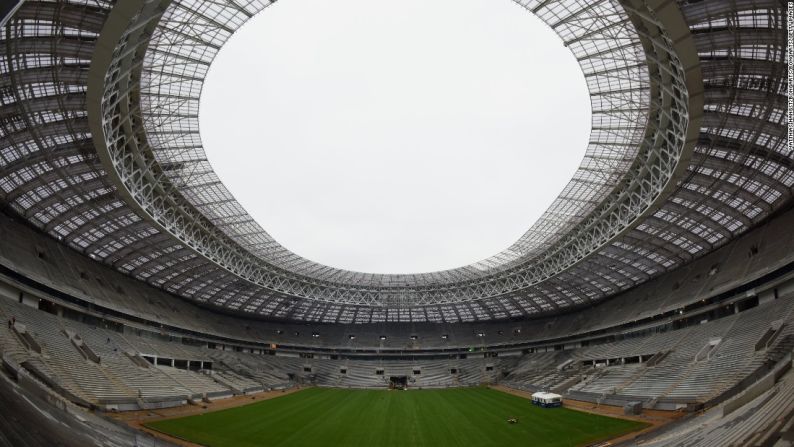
{"x": 99, "y": 147}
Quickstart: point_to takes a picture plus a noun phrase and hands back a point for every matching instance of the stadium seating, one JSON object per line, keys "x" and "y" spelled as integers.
{"x": 681, "y": 377}
{"x": 684, "y": 375}
{"x": 108, "y": 291}
{"x": 753, "y": 424}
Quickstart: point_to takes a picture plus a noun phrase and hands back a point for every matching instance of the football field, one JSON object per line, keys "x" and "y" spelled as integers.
{"x": 462, "y": 417}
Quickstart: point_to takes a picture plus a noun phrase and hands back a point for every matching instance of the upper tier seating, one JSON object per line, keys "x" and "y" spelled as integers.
{"x": 50, "y": 263}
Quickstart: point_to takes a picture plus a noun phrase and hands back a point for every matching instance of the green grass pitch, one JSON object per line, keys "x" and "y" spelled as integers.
{"x": 465, "y": 417}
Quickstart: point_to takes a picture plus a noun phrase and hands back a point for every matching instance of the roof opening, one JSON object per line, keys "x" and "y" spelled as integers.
{"x": 388, "y": 139}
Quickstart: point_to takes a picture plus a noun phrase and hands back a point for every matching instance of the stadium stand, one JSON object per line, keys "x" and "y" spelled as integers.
{"x": 685, "y": 375}
{"x": 758, "y": 422}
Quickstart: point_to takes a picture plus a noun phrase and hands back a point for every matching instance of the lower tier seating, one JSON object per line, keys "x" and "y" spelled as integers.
{"x": 134, "y": 369}
{"x": 698, "y": 363}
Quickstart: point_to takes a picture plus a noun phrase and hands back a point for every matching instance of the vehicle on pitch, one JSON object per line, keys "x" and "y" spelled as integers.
{"x": 546, "y": 400}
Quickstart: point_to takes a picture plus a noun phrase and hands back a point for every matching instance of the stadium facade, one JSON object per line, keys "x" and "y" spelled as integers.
{"x": 672, "y": 244}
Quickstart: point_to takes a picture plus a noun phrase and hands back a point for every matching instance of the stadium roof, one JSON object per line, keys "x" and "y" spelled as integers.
{"x": 100, "y": 148}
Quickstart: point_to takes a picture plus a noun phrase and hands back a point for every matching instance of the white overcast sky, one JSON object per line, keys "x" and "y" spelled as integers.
{"x": 395, "y": 137}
